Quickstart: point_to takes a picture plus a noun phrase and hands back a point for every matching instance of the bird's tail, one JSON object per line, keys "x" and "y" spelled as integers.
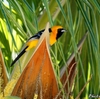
{"x": 20, "y": 54}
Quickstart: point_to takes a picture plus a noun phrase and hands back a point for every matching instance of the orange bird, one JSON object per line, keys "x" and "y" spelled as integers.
{"x": 55, "y": 33}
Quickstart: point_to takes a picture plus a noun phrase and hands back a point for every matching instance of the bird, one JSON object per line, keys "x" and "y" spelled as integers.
{"x": 55, "y": 33}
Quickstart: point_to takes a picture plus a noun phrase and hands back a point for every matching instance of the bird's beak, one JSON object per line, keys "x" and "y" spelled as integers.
{"x": 63, "y": 30}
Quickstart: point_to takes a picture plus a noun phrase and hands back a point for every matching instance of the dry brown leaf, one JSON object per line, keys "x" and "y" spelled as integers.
{"x": 38, "y": 80}
{"x": 3, "y": 73}
{"x": 83, "y": 87}
{"x": 70, "y": 66}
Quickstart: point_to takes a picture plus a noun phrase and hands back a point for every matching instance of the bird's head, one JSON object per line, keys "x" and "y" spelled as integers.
{"x": 55, "y": 33}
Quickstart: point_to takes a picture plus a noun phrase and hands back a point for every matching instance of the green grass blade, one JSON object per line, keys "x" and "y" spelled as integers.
{"x": 9, "y": 27}
{"x": 48, "y": 11}
{"x": 93, "y": 39}
{"x": 96, "y": 4}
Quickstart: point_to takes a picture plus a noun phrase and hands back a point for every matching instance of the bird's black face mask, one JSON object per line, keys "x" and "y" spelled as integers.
{"x": 60, "y": 32}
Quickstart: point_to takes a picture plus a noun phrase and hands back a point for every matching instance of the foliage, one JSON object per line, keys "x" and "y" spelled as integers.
{"x": 20, "y": 19}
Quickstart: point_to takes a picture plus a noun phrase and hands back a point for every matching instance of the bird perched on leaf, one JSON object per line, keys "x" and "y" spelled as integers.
{"x": 55, "y": 33}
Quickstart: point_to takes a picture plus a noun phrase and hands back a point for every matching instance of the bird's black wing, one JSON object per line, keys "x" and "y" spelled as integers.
{"x": 37, "y": 35}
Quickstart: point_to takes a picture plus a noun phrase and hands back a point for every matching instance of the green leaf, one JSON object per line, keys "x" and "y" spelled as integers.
{"x": 11, "y": 97}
